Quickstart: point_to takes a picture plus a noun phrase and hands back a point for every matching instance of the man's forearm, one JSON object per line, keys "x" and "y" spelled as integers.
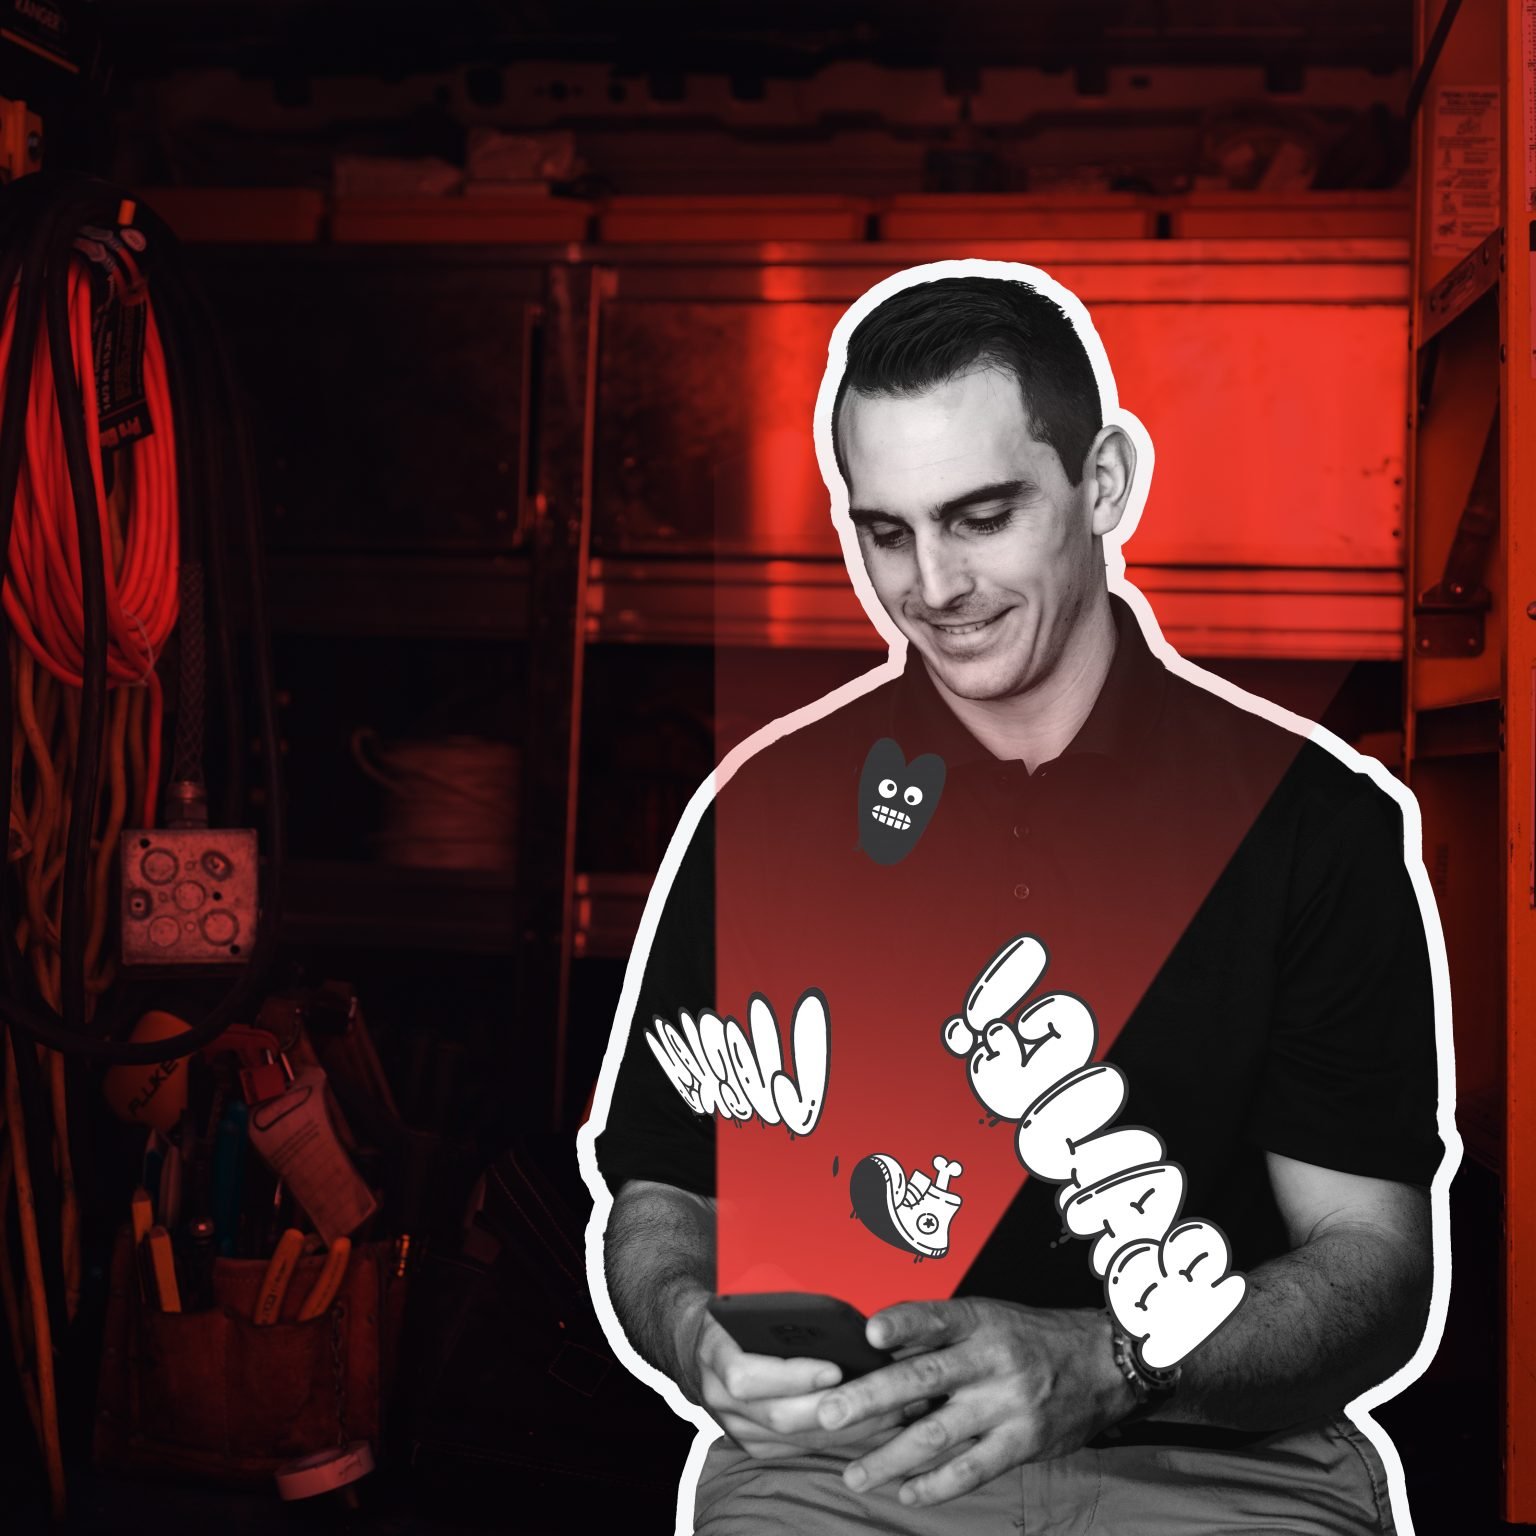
{"x": 1316, "y": 1328}
{"x": 659, "y": 1259}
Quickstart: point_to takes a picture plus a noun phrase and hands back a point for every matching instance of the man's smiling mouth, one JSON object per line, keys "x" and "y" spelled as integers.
{"x": 964, "y": 629}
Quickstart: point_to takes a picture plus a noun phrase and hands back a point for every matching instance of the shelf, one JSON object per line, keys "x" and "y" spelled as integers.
{"x": 240, "y": 215}
{"x": 747, "y": 602}
{"x": 1468, "y": 729}
{"x": 1269, "y": 612}
{"x": 608, "y": 908}
{"x": 631, "y": 219}
{"x": 476, "y": 219}
{"x": 386, "y": 906}
{"x": 476, "y": 597}
{"x": 1266, "y": 270}
{"x": 771, "y": 222}
{"x": 806, "y": 604}
{"x": 1204, "y": 610}
{"x": 1098, "y": 215}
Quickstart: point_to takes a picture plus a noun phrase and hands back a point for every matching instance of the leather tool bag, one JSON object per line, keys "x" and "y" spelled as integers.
{"x": 212, "y": 1396}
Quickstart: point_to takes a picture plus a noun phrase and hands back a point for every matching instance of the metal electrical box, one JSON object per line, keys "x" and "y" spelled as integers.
{"x": 189, "y": 896}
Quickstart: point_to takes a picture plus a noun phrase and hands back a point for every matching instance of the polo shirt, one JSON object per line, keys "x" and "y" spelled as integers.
{"x": 1228, "y": 898}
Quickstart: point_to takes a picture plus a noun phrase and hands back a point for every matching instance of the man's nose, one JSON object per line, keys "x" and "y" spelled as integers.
{"x": 941, "y": 573}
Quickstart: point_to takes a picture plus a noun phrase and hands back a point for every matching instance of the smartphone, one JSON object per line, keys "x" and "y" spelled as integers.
{"x": 790, "y": 1324}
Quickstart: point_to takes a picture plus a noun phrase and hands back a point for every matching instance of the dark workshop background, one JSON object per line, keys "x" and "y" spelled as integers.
{"x": 530, "y": 303}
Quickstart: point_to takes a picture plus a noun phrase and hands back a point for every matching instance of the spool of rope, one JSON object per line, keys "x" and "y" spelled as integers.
{"x": 335, "y": 1471}
{"x": 449, "y": 804}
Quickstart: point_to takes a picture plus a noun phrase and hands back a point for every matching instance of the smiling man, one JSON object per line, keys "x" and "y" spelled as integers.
{"x": 1230, "y": 900}
{"x": 985, "y": 553}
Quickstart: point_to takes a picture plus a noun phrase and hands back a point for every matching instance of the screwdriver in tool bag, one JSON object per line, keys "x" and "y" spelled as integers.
{"x": 142, "y": 1213}
{"x": 274, "y": 1283}
{"x": 323, "y": 1292}
{"x": 163, "y": 1266}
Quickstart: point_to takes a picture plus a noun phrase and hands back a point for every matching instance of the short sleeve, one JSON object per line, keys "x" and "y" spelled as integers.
{"x": 1349, "y": 1077}
{"x": 651, "y": 1132}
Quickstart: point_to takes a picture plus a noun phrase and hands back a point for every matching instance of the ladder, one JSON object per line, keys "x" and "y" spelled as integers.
{"x": 1470, "y": 667}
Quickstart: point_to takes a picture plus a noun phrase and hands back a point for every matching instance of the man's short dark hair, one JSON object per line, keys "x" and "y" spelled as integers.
{"x": 933, "y": 332}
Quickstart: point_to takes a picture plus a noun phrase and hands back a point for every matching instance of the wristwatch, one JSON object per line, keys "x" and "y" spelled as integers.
{"x": 1153, "y": 1387}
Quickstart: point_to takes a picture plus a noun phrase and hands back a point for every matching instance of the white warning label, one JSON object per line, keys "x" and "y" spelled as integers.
{"x": 1528, "y": 97}
{"x": 1465, "y": 210}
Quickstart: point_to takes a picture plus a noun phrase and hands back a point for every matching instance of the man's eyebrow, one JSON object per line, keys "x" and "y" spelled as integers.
{"x": 1000, "y": 490}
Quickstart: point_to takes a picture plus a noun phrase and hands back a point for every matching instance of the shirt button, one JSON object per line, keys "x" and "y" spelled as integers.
{"x": 1021, "y": 831}
{"x": 1021, "y": 891}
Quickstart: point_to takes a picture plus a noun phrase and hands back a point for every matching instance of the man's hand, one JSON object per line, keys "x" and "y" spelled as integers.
{"x": 1022, "y": 1385}
{"x": 767, "y": 1405}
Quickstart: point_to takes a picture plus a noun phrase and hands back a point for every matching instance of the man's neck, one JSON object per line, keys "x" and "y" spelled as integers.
{"x": 1039, "y": 725}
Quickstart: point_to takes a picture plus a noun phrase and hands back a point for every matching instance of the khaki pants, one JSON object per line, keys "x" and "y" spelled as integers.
{"x": 1323, "y": 1479}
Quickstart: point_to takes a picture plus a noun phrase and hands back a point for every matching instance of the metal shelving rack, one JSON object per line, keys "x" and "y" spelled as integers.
{"x": 1471, "y": 672}
{"x": 567, "y": 582}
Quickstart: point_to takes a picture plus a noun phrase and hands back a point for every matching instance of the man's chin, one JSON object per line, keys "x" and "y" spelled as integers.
{"x": 970, "y": 677}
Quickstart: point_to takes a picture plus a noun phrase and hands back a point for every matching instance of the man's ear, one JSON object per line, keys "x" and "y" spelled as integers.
{"x": 1110, "y": 467}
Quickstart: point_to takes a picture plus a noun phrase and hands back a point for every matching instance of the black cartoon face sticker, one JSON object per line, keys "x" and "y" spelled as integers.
{"x": 896, "y": 800}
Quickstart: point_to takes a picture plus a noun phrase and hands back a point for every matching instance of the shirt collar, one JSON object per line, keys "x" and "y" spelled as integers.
{"x": 1127, "y": 707}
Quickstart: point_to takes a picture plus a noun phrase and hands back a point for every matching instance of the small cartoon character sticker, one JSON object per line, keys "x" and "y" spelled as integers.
{"x": 911, "y": 1212}
{"x": 897, "y": 800}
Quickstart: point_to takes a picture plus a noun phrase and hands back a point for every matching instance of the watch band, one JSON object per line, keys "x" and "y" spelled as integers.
{"x": 1152, "y": 1386}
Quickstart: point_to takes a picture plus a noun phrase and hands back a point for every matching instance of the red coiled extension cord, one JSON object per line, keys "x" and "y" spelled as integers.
{"x": 42, "y": 592}
{"x": 44, "y": 597}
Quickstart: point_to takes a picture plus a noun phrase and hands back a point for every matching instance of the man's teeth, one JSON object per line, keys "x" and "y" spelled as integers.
{"x": 963, "y": 629}
{"x": 887, "y": 817}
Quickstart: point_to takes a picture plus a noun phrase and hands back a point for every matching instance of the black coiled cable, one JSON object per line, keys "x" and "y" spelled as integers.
{"x": 40, "y": 217}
